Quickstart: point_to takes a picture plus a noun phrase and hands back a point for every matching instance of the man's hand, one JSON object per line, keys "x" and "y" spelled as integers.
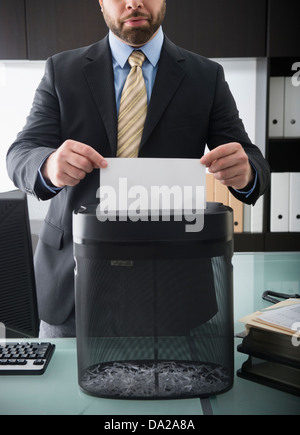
{"x": 230, "y": 165}
{"x": 70, "y": 163}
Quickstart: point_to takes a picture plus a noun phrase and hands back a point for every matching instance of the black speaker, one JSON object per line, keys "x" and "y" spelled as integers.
{"x": 18, "y": 303}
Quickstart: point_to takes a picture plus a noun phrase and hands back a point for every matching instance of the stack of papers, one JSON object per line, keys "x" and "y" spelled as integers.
{"x": 272, "y": 344}
{"x": 283, "y": 317}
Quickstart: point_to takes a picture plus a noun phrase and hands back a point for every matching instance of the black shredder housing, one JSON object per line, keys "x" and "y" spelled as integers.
{"x": 154, "y": 306}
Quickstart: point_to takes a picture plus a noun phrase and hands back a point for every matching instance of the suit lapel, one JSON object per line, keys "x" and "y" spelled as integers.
{"x": 99, "y": 75}
{"x": 169, "y": 76}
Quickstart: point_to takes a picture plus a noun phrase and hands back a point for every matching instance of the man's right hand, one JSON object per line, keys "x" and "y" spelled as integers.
{"x": 70, "y": 163}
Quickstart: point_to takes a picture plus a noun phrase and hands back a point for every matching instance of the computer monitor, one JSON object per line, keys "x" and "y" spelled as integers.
{"x": 18, "y": 302}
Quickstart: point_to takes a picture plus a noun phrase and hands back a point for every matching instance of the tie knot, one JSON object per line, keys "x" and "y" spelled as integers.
{"x": 136, "y": 58}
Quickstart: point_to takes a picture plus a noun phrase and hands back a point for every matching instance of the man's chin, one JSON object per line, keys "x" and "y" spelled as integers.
{"x": 137, "y": 35}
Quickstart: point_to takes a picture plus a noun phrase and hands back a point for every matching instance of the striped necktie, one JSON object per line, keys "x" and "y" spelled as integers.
{"x": 133, "y": 109}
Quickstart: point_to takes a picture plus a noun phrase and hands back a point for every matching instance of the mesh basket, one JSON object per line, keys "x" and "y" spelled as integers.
{"x": 154, "y": 307}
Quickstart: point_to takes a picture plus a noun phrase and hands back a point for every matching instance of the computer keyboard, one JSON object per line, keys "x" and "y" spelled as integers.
{"x": 25, "y": 358}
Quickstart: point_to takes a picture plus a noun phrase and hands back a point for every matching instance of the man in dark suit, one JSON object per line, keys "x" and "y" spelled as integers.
{"x": 72, "y": 127}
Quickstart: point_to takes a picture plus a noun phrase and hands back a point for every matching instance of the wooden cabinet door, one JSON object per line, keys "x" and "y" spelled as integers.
{"x": 12, "y": 30}
{"x": 218, "y": 28}
{"x": 59, "y": 25}
{"x": 284, "y": 25}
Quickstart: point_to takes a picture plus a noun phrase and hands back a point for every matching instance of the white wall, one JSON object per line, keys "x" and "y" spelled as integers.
{"x": 241, "y": 76}
{"x": 19, "y": 79}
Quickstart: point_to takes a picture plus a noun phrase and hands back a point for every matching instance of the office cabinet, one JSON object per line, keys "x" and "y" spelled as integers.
{"x": 55, "y": 25}
{"x": 235, "y": 28}
{"x": 283, "y": 28}
{"x": 215, "y": 28}
{"x": 282, "y": 231}
{"x": 218, "y": 28}
{"x": 283, "y": 114}
{"x": 35, "y": 29}
{"x": 12, "y": 30}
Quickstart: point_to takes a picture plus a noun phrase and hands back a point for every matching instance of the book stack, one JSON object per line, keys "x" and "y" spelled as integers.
{"x": 246, "y": 218}
{"x": 217, "y": 192}
{"x": 272, "y": 342}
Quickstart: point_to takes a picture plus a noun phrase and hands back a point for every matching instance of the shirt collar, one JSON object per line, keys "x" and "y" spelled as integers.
{"x": 121, "y": 51}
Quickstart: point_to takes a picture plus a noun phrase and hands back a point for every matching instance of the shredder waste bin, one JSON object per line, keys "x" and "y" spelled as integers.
{"x": 154, "y": 306}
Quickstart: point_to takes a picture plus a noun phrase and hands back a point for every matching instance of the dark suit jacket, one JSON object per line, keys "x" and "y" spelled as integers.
{"x": 191, "y": 106}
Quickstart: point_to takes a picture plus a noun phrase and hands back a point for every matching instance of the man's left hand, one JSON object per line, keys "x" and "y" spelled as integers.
{"x": 230, "y": 165}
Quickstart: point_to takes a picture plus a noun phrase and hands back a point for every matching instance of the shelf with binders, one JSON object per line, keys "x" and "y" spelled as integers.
{"x": 285, "y": 202}
{"x": 282, "y": 203}
{"x": 283, "y": 112}
{"x": 251, "y": 229}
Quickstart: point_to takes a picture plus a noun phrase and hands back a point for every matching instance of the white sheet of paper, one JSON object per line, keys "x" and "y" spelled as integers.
{"x": 155, "y": 183}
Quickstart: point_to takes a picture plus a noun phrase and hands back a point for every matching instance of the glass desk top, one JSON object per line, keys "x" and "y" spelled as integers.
{"x": 57, "y": 391}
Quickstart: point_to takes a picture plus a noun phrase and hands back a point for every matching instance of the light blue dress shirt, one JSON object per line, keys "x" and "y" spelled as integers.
{"x": 120, "y": 54}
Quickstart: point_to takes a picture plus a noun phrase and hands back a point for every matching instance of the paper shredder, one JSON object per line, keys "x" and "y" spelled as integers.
{"x": 154, "y": 306}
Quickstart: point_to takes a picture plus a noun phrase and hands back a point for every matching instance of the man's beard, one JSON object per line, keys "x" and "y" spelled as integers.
{"x": 136, "y": 35}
